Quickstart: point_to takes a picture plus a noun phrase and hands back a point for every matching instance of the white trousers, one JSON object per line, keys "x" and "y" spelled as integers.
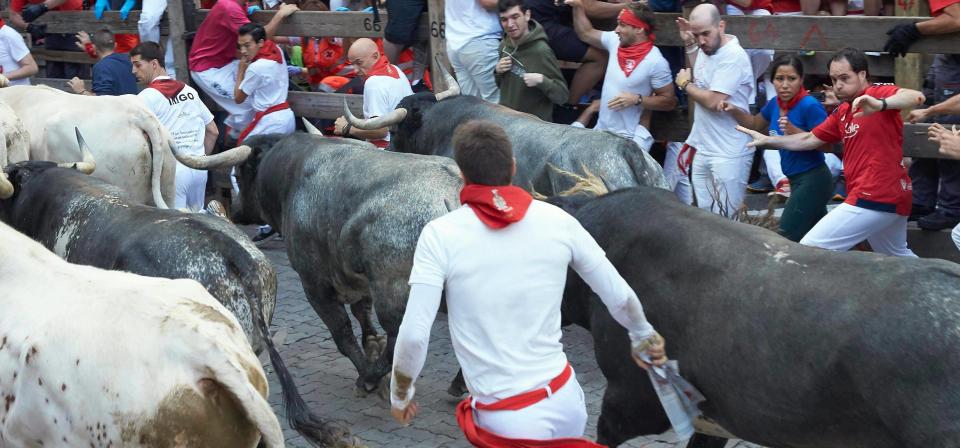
{"x": 848, "y": 225}
{"x": 771, "y": 158}
{"x": 219, "y": 84}
{"x": 720, "y": 183}
{"x": 473, "y": 64}
{"x": 279, "y": 122}
{"x": 956, "y": 236}
{"x": 676, "y": 180}
{"x": 149, "y": 28}
{"x": 191, "y": 186}
{"x": 563, "y": 414}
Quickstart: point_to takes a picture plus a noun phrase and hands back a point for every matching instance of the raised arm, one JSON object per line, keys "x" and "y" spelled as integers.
{"x": 904, "y": 99}
{"x": 804, "y": 141}
{"x": 597, "y": 9}
{"x": 285, "y": 11}
{"x": 752, "y": 122}
{"x": 582, "y": 25}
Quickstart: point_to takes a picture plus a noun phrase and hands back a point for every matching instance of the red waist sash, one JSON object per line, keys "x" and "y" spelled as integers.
{"x": 256, "y": 119}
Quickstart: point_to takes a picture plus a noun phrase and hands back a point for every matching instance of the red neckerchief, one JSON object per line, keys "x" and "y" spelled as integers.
{"x": 793, "y": 102}
{"x": 2, "y": 23}
{"x": 269, "y": 51}
{"x": 497, "y": 206}
{"x": 168, "y": 87}
{"x": 383, "y": 67}
{"x": 630, "y": 57}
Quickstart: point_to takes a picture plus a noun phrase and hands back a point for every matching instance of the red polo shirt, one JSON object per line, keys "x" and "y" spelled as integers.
{"x": 70, "y": 5}
{"x": 936, "y": 6}
{"x": 872, "y": 154}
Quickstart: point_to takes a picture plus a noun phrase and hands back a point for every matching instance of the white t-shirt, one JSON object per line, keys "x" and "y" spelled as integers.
{"x": 185, "y": 116}
{"x": 466, "y": 20}
{"x": 265, "y": 83}
{"x": 382, "y": 93}
{"x": 503, "y": 290}
{"x": 727, "y": 71}
{"x": 12, "y": 50}
{"x": 652, "y": 73}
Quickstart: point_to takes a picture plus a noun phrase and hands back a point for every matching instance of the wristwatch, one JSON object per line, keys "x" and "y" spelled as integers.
{"x": 639, "y": 100}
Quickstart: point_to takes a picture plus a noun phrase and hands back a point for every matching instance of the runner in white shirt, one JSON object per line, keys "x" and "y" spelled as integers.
{"x": 179, "y": 109}
{"x": 637, "y": 78}
{"x": 262, "y": 77}
{"x": 721, "y": 73}
{"x": 502, "y": 261}
{"x": 384, "y": 86}
{"x": 16, "y": 62}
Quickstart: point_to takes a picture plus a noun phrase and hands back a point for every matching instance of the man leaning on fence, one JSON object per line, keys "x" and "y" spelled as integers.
{"x": 111, "y": 74}
{"x": 16, "y": 62}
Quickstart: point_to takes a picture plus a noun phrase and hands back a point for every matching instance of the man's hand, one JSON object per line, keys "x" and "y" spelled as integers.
{"x": 244, "y": 63}
{"x": 683, "y": 77}
{"x": 623, "y": 100}
{"x": 759, "y": 140}
{"x": 82, "y": 40}
{"x": 901, "y": 38}
{"x": 948, "y": 139}
{"x": 287, "y": 9}
{"x": 918, "y": 115}
{"x": 533, "y": 79}
{"x": 503, "y": 65}
{"x": 34, "y": 11}
{"x": 867, "y": 105}
{"x": 76, "y": 84}
{"x": 653, "y": 348}
{"x": 405, "y": 416}
{"x": 4, "y": 81}
{"x": 686, "y": 33}
{"x": 786, "y": 127}
{"x": 339, "y": 125}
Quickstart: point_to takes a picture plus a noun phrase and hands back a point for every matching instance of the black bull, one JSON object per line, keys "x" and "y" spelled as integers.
{"x": 87, "y": 221}
{"x": 792, "y": 346}
{"x": 427, "y": 128}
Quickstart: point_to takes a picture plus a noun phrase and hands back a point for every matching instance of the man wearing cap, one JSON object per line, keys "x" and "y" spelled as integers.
{"x": 637, "y": 78}
{"x": 384, "y": 86}
{"x": 502, "y": 262}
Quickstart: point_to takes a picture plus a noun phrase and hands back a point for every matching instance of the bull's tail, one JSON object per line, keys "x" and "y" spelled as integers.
{"x": 301, "y": 419}
{"x": 155, "y": 138}
{"x": 258, "y": 410}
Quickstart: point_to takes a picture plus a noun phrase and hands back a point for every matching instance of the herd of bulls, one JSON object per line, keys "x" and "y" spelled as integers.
{"x": 792, "y": 346}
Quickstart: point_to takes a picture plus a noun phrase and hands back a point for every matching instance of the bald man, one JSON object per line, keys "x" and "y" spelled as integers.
{"x": 384, "y": 86}
{"x": 721, "y": 73}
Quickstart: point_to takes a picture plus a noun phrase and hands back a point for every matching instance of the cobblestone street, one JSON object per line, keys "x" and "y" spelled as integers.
{"x": 326, "y": 379}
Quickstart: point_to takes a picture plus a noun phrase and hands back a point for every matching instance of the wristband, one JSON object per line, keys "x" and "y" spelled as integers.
{"x": 683, "y": 86}
{"x": 346, "y": 130}
{"x": 884, "y": 107}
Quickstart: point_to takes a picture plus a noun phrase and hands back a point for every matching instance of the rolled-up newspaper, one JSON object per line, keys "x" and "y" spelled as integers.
{"x": 678, "y": 397}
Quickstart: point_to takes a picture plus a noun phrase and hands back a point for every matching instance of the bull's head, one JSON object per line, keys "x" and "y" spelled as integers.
{"x": 406, "y": 119}
{"x": 86, "y": 166}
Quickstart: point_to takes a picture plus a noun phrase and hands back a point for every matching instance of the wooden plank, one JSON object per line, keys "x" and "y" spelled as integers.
{"x": 175, "y": 14}
{"x": 907, "y": 70}
{"x": 323, "y": 105}
{"x": 818, "y": 63}
{"x": 77, "y": 57}
{"x": 324, "y": 23}
{"x": 73, "y": 21}
{"x": 820, "y": 33}
{"x": 438, "y": 44}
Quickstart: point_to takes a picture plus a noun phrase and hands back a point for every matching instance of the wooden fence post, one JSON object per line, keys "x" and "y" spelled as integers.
{"x": 175, "y": 17}
{"x": 908, "y": 71}
{"x": 438, "y": 44}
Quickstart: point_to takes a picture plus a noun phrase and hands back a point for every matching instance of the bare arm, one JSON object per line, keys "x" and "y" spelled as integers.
{"x": 28, "y": 68}
{"x": 239, "y": 96}
{"x": 489, "y": 5}
{"x": 904, "y": 99}
{"x": 752, "y": 122}
{"x": 664, "y": 98}
{"x": 210, "y": 137}
{"x": 582, "y": 25}
{"x": 596, "y": 9}
{"x": 804, "y": 141}
{"x": 17, "y": 20}
{"x": 285, "y": 11}
{"x": 706, "y": 98}
{"x": 371, "y": 134}
{"x": 948, "y": 22}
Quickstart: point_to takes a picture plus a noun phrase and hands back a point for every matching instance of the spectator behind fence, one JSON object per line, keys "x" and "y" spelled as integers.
{"x": 23, "y": 12}
{"x": 383, "y": 87}
{"x": 179, "y": 109}
{"x": 528, "y": 73}
{"x": 868, "y": 124}
{"x": 112, "y": 74}
{"x": 16, "y": 62}
{"x": 946, "y": 20}
{"x": 213, "y": 63}
{"x": 149, "y": 27}
{"x": 125, "y": 42}
{"x": 637, "y": 76}
{"x": 721, "y": 73}
{"x": 473, "y": 36}
{"x": 401, "y": 33}
{"x": 793, "y": 112}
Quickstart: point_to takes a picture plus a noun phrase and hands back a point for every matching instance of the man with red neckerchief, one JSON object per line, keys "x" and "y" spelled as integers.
{"x": 179, "y": 109}
{"x": 868, "y": 123}
{"x": 502, "y": 261}
{"x": 384, "y": 86}
{"x": 262, "y": 77}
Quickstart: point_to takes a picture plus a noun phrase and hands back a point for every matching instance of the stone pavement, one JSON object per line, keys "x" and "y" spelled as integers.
{"x": 326, "y": 379}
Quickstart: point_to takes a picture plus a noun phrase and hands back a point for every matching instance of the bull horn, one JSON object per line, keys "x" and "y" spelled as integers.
{"x": 310, "y": 127}
{"x": 453, "y": 87}
{"x": 6, "y": 188}
{"x": 385, "y": 121}
{"x": 88, "y": 165}
{"x": 230, "y": 157}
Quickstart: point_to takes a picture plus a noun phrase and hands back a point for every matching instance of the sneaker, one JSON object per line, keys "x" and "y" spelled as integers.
{"x": 919, "y": 211}
{"x": 837, "y": 197}
{"x": 263, "y": 234}
{"x": 761, "y": 185}
{"x": 782, "y": 190}
{"x": 938, "y": 220}
{"x": 215, "y": 208}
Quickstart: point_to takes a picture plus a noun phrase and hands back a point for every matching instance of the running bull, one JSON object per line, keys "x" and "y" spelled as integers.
{"x": 130, "y": 144}
{"x": 87, "y": 221}
{"x": 350, "y": 216}
{"x": 785, "y": 355}
{"x": 423, "y": 124}
{"x": 90, "y": 357}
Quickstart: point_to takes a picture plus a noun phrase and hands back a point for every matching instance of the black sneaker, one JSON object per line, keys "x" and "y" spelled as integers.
{"x": 938, "y": 220}
{"x": 919, "y": 211}
{"x": 263, "y": 234}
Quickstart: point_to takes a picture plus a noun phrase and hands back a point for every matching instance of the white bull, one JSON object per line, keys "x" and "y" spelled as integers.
{"x": 129, "y": 143}
{"x": 90, "y": 357}
{"x": 14, "y": 139}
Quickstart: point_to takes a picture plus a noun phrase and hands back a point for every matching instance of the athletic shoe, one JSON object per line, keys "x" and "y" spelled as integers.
{"x": 782, "y": 190}
{"x": 215, "y": 208}
{"x": 919, "y": 211}
{"x": 263, "y": 234}
{"x": 761, "y": 185}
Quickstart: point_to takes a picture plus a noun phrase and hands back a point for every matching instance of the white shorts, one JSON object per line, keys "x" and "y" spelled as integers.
{"x": 563, "y": 414}
{"x": 279, "y": 122}
{"x": 191, "y": 186}
{"x": 219, "y": 83}
{"x": 847, "y": 225}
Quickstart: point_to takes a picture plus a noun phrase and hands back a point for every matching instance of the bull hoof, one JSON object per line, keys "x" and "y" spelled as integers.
{"x": 371, "y": 347}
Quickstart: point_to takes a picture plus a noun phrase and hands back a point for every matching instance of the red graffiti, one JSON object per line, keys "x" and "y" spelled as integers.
{"x": 821, "y": 43}
{"x": 757, "y": 37}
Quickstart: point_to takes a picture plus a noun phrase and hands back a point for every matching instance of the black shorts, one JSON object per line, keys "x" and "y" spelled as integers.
{"x": 565, "y": 43}
{"x": 403, "y": 20}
